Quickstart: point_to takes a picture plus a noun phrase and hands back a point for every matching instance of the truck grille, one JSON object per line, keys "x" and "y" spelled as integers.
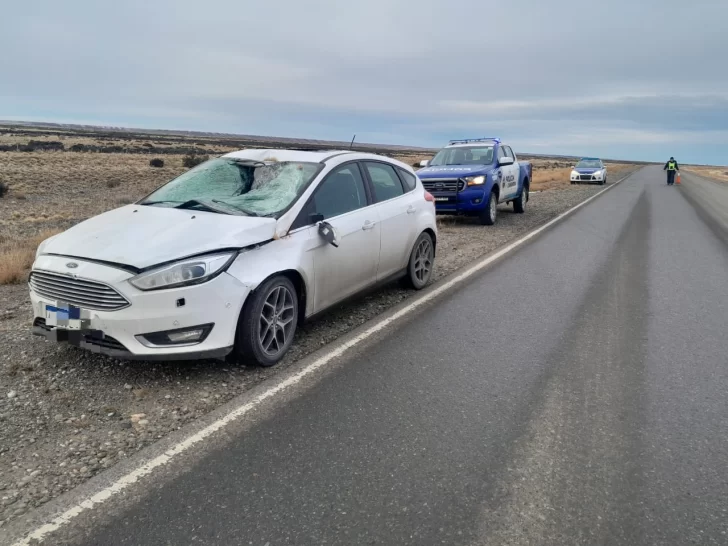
{"x": 450, "y": 184}
{"x": 78, "y": 292}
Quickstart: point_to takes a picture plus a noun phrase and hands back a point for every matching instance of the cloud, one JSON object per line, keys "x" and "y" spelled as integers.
{"x": 412, "y": 71}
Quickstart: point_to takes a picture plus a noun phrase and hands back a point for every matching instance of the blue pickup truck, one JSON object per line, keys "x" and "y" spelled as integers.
{"x": 472, "y": 176}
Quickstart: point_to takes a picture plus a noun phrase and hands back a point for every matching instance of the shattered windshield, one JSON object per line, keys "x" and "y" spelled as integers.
{"x": 238, "y": 186}
{"x": 462, "y": 155}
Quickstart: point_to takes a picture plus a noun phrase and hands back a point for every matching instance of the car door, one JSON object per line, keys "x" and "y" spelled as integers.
{"x": 504, "y": 173}
{"x": 344, "y": 202}
{"x": 396, "y": 209}
{"x": 513, "y": 172}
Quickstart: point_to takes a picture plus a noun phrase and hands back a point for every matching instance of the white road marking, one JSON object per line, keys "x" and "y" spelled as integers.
{"x": 134, "y": 476}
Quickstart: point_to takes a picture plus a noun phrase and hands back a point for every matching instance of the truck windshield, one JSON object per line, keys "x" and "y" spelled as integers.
{"x": 463, "y": 155}
{"x": 589, "y": 164}
{"x": 238, "y": 186}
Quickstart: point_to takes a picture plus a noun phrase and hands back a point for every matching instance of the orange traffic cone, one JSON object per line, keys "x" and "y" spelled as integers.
{"x": 677, "y": 178}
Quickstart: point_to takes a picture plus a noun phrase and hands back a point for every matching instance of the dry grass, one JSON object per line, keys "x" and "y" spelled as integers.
{"x": 716, "y": 173}
{"x": 16, "y": 256}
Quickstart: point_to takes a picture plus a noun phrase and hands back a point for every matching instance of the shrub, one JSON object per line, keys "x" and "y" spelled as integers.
{"x": 78, "y": 148}
{"x": 45, "y": 145}
{"x": 148, "y": 145}
{"x": 156, "y": 162}
{"x": 192, "y": 160}
{"x": 3, "y": 189}
{"x": 113, "y": 184}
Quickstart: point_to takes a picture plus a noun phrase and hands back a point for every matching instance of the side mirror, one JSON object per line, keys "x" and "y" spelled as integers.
{"x": 328, "y": 233}
{"x": 424, "y": 163}
{"x": 505, "y": 161}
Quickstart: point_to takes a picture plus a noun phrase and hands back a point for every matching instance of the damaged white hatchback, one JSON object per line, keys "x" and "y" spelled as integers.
{"x": 229, "y": 257}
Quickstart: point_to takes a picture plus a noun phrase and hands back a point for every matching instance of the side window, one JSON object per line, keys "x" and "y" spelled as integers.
{"x": 408, "y": 180}
{"x": 385, "y": 181}
{"x": 509, "y": 152}
{"x": 501, "y": 152}
{"x": 342, "y": 191}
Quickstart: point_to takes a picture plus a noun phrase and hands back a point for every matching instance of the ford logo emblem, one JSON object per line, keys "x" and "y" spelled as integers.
{"x": 71, "y": 265}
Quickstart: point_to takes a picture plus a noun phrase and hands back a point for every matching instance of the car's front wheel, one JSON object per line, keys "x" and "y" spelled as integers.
{"x": 269, "y": 321}
{"x": 421, "y": 262}
{"x": 490, "y": 212}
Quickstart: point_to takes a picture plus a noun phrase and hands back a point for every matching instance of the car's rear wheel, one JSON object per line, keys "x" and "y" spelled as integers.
{"x": 490, "y": 213}
{"x": 519, "y": 204}
{"x": 269, "y": 321}
{"x": 421, "y": 262}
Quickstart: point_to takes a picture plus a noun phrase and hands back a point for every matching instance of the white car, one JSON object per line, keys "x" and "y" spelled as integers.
{"x": 227, "y": 258}
{"x": 589, "y": 170}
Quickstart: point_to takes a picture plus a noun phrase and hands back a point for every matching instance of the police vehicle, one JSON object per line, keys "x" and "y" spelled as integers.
{"x": 472, "y": 176}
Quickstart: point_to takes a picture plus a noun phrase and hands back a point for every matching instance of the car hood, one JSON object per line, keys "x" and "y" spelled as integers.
{"x": 453, "y": 171}
{"x": 590, "y": 170}
{"x": 143, "y": 236}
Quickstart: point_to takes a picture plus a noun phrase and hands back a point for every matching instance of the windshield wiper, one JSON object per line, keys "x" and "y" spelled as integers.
{"x": 245, "y": 211}
{"x": 192, "y": 203}
{"x": 158, "y": 202}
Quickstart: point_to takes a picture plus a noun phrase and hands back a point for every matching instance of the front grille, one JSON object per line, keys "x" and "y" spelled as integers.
{"x": 451, "y": 185}
{"x": 108, "y": 342}
{"x": 585, "y": 177}
{"x": 78, "y": 292}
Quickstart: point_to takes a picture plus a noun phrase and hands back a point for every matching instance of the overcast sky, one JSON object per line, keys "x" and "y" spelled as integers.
{"x": 635, "y": 79}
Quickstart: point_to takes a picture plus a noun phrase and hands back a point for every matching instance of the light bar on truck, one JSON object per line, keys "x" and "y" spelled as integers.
{"x": 467, "y": 140}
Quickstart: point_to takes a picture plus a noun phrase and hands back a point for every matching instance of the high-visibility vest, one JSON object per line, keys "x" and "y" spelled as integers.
{"x": 671, "y": 166}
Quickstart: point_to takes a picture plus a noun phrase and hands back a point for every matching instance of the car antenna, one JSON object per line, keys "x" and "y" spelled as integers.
{"x": 352, "y": 143}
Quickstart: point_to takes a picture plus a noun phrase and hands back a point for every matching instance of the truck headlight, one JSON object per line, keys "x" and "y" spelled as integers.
{"x": 474, "y": 180}
{"x": 185, "y": 272}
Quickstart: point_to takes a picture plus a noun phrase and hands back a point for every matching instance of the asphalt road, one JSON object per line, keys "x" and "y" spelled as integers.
{"x": 574, "y": 393}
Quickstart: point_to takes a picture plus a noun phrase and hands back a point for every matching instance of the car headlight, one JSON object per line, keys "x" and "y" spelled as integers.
{"x": 574, "y": 174}
{"x": 185, "y": 272}
{"x": 475, "y": 180}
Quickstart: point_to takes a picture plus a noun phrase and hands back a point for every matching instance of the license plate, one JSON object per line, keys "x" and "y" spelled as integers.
{"x": 442, "y": 199}
{"x": 62, "y": 315}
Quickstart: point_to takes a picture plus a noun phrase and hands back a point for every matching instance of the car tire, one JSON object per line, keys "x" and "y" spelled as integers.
{"x": 519, "y": 205}
{"x": 490, "y": 213}
{"x": 273, "y": 305}
{"x": 421, "y": 262}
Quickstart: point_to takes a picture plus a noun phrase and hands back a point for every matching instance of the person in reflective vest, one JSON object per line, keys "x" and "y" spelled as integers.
{"x": 671, "y": 166}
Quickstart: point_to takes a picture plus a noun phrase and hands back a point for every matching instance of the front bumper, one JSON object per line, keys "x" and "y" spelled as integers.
{"x": 588, "y": 178}
{"x": 467, "y": 201}
{"x": 114, "y": 333}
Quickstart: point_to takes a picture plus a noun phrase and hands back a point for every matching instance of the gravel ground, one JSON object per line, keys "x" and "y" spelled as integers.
{"x": 66, "y": 415}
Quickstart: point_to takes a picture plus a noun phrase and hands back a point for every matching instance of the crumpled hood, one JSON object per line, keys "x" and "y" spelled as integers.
{"x": 142, "y": 236}
{"x": 453, "y": 171}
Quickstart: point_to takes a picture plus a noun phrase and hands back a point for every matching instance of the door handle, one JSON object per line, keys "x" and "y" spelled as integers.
{"x": 368, "y": 225}
{"x": 412, "y": 209}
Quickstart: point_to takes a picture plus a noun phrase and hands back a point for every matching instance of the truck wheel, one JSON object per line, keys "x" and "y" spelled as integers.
{"x": 422, "y": 259}
{"x": 490, "y": 213}
{"x": 519, "y": 204}
{"x": 268, "y": 322}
